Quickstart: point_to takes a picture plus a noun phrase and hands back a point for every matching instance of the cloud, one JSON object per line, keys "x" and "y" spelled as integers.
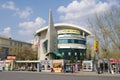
{"x": 28, "y": 28}
{"x": 25, "y": 13}
{"x": 21, "y": 13}
{"x": 6, "y": 32}
{"x": 10, "y": 5}
{"x": 79, "y": 10}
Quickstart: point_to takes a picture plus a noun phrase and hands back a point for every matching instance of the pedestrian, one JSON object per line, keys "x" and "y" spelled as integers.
{"x": 52, "y": 70}
{"x": 98, "y": 71}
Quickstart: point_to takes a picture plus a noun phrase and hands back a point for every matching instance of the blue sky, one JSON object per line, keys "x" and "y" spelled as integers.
{"x": 19, "y": 19}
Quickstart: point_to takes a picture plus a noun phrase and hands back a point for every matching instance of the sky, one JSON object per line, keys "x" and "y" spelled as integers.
{"x": 19, "y": 19}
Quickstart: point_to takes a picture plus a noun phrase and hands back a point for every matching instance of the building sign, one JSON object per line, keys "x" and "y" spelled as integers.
{"x": 69, "y": 31}
{"x": 10, "y": 57}
{"x": 114, "y": 60}
{"x": 95, "y": 45}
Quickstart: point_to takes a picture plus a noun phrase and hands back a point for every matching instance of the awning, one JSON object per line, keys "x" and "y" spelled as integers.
{"x": 56, "y": 54}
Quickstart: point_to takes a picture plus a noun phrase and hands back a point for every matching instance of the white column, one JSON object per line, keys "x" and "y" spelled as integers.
{"x": 62, "y": 53}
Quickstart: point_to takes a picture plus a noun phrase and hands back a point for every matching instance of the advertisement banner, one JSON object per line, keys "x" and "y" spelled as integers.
{"x": 46, "y": 65}
{"x": 57, "y": 65}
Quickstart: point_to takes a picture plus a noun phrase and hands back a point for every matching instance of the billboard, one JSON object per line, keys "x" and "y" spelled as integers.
{"x": 57, "y": 65}
{"x": 46, "y": 65}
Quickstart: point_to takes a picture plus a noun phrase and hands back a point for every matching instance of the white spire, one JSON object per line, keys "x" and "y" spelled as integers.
{"x": 52, "y": 35}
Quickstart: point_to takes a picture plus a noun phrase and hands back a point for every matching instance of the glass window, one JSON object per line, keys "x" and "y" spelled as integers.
{"x": 81, "y": 41}
{"x": 65, "y": 41}
{"x": 13, "y": 43}
{"x": 21, "y": 44}
{"x": 45, "y": 45}
{"x": 10, "y": 43}
{"x": 71, "y": 41}
{"x": 61, "y": 41}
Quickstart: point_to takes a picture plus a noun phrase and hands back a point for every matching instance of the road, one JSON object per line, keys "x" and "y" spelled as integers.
{"x": 53, "y": 76}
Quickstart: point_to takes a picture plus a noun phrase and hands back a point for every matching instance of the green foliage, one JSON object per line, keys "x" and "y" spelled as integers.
{"x": 27, "y": 53}
{"x": 63, "y": 57}
{"x": 72, "y": 60}
{"x": 89, "y": 56}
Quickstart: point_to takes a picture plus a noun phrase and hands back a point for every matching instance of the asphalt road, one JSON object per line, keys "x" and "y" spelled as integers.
{"x": 52, "y": 76}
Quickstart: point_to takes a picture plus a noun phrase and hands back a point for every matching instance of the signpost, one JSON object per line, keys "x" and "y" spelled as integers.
{"x": 96, "y": 57}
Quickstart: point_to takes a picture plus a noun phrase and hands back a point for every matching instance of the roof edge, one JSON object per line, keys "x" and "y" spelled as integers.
{"x": 64, "y": 24}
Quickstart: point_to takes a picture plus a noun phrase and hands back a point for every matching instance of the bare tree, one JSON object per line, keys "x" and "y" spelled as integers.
{"x": 89, "y": 51}
{"x": 106, "y": 28}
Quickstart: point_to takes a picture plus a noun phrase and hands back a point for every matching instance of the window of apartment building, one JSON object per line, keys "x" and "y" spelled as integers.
{"x": 20, "y": 44}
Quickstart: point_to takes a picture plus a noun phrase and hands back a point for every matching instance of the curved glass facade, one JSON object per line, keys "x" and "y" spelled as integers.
{"x": 71, "y": 37}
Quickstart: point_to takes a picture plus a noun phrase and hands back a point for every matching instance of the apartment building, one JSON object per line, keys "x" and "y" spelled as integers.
{"x": 9, "y": 46}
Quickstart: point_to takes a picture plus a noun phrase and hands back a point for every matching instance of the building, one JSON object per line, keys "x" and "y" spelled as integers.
{"x": 61, "y": 40}
{"x": 9, "y": 46}
{"x": 34, "y": 44}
